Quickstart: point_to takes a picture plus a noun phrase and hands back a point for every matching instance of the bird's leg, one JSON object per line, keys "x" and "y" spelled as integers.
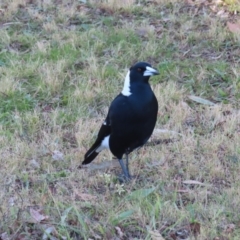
{"x": 127, "y": 168}
{"x": 124, "y": 170}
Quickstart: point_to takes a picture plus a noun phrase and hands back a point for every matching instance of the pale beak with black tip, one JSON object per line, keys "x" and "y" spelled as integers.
{"x": 150, "y": 72}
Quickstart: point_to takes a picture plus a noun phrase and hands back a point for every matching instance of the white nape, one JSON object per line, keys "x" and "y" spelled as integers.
{"x": 104, "y": 144}
{"x": 126, "y": 87}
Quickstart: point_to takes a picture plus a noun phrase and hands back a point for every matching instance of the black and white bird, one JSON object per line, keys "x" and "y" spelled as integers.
{"x": 131, "y": 117}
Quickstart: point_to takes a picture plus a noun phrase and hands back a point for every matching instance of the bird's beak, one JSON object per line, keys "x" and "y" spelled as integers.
{"x": 150, "y": 72}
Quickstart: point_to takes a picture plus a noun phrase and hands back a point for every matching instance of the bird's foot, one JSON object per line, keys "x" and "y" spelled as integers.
{"x": 124, "y": 179}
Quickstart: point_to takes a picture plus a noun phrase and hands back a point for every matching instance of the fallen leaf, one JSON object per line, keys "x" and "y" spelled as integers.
{"x": 155, "y": 235}
{"x": 233, "y": 27}
{"x": 36, "y": 216}
{"x": 194, "y": 182}
{"x": 201, "y": 100}
{"x": 195, "y": 228}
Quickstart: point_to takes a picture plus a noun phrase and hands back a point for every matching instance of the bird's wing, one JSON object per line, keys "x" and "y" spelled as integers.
{"x": 104, "y": 132}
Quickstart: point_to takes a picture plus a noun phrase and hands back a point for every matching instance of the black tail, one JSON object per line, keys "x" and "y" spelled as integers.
{"x": 90, "y": 158}
{"x": 104, "y": 131}
{"x": 90, "y": 155}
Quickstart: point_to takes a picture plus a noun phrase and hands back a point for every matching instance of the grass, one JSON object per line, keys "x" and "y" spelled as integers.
{"x": 61, "y": 64}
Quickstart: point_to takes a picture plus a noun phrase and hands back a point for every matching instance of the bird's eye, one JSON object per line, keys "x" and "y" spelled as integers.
{"x": 139, "y": 69}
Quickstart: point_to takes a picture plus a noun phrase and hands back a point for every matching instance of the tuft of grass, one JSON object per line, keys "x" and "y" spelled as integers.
{"x": 232, "y": 5}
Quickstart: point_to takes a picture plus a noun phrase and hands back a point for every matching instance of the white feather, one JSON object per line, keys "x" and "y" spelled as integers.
{"x": 126, "y": 87}
{"x": 104, "y": 144}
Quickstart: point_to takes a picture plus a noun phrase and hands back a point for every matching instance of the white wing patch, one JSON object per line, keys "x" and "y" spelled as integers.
{"x": 104, "y": 144}
{"x": 126, "y": 87}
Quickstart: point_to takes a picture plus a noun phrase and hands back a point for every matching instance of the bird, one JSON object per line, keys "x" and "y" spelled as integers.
{"x": 130, "y": 120}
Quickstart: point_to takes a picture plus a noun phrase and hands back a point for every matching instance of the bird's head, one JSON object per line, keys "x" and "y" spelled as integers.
{"x": 142, "y": 70}
{"x": 138, "y": 73}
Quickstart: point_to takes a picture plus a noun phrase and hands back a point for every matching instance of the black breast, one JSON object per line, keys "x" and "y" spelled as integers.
{"x": 132, "y": 119}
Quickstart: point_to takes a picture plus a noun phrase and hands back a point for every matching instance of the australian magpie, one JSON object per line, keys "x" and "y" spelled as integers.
{"x": 131, "y": 117}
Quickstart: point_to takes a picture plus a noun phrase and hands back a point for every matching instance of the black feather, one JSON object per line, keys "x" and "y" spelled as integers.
{"x": 131, "y": 117}
{"x": 104, "y": 131}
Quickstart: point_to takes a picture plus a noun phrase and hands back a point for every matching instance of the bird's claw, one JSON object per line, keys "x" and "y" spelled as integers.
{"x": 124, "y": 179}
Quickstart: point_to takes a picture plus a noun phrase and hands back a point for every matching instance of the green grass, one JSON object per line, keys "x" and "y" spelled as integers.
{"x": 61, "y": 64}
